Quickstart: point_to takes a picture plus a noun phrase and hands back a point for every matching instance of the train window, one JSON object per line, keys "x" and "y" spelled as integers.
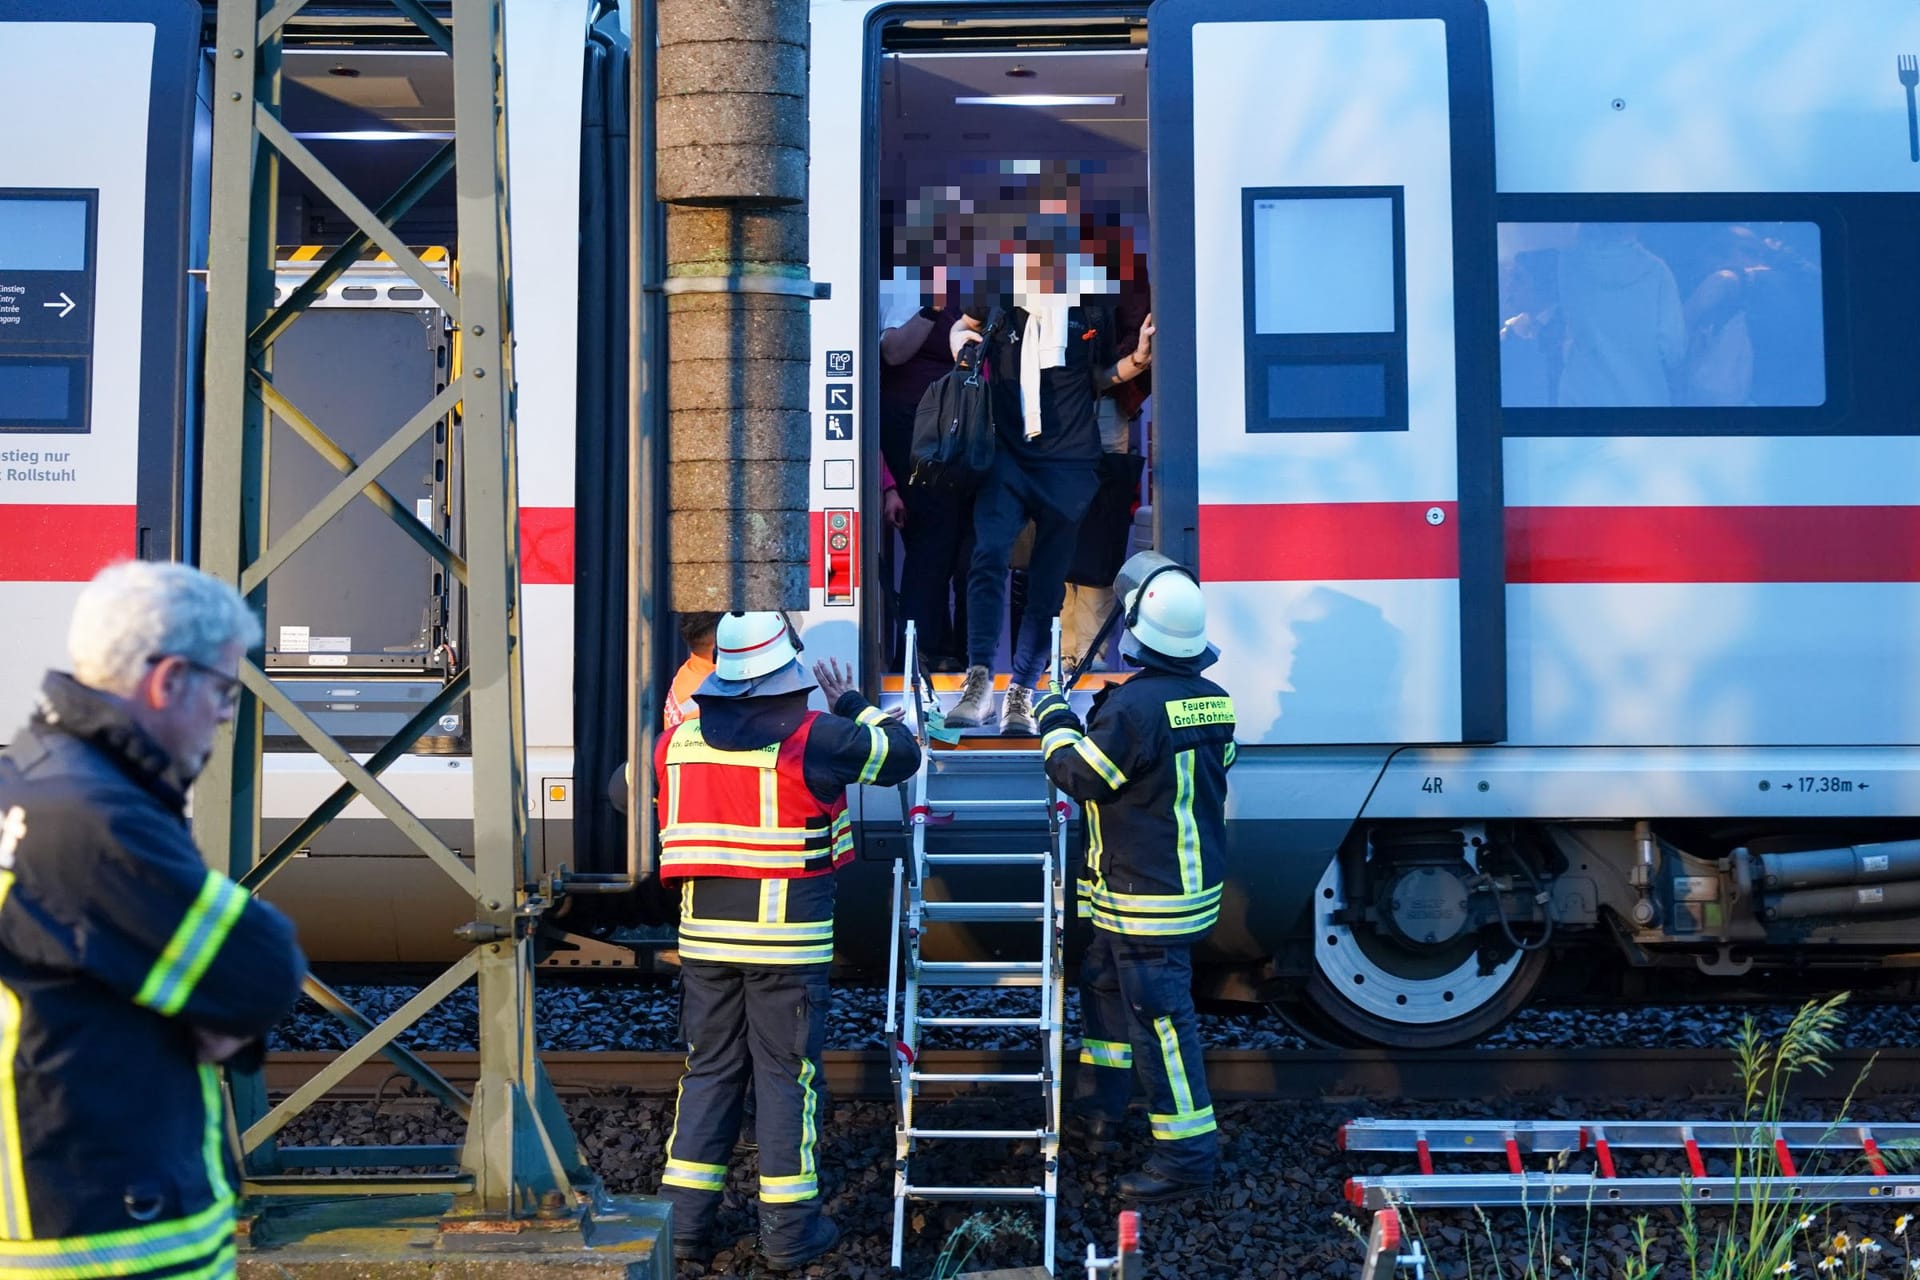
{"x": 1325, "y": 309}
{"x": 1677, "y": 315}
{"x": 43, "y": 235}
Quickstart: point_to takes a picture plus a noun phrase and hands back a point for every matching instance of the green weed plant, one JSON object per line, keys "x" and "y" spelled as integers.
{"x": 1769, "y": 1231}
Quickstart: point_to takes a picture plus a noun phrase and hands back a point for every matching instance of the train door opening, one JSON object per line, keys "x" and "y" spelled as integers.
{"x": 1008, "y": 163}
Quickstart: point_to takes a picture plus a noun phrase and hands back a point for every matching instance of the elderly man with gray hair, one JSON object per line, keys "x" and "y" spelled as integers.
{"x": 122, "y": 955}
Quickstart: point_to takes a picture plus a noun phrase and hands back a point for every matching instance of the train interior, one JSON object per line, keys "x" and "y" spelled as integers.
{"x": 1011, "y": 155}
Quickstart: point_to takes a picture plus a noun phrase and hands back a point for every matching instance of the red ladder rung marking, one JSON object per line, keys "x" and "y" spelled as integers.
{"x": 1513, "y": 1155}
{"x": 1874, "y": 1162}
{"x": 1694, "y": 1162}
{"x": 1785, "y": 1157}
{"x": 1424, "y": 1154}
{"x": 1605, "y": 1153}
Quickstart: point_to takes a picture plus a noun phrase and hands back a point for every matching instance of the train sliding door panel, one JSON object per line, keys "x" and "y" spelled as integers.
{"x": 95, "y": 160}
{"x": 1323, "y": 263}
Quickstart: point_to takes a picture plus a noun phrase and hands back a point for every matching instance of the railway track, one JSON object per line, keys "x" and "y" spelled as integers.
{"x": 1312, "y": 1074}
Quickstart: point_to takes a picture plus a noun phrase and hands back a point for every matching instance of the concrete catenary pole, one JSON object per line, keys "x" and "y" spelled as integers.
{"x": 732, "y": 169}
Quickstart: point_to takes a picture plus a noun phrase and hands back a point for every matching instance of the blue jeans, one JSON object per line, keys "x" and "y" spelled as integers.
{"x": 1136, "y": 1007}
{"x": 1054, "y": 498}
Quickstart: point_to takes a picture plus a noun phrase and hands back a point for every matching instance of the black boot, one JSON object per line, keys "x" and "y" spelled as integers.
{"x": 820, "y": 1238}
{"x": 1093, "y": 1134}
{"x": 1150, "y": 1186}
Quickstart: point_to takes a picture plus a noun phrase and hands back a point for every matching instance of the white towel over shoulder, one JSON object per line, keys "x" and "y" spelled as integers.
{"x": 1045, "y": 343}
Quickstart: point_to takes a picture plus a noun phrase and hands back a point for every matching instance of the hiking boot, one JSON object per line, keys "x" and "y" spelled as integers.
{"x": 821, "y": 1239}
{"x": 1016, "y": 712}
{"x": 971, "y": 711}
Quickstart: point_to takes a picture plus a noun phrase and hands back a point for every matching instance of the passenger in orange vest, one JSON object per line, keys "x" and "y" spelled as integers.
{"x": 697, "y": 630}
{"x": 753, "y": 823}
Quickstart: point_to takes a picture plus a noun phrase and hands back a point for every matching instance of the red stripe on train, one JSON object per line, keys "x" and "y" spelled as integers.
{"x": 56, "y": 542}
{"x": 546, "y": 546}
{"x": 1328, "y": 541}
{"x": 1713, "y": 544}
{"x": 1367, "y": 541}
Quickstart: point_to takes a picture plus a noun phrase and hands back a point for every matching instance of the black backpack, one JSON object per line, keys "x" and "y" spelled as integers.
{"x": 953, "y": 443}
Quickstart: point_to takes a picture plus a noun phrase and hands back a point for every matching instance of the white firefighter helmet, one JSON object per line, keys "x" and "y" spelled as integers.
{"x": 755, "y": 654}
{"x": 1165, "y": 612}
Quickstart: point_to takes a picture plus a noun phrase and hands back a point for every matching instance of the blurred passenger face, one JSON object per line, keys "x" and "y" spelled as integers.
{"x": 182, "y": 703}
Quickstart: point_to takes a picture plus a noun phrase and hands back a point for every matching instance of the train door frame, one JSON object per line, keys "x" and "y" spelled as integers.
{"x": 875, "y": 636}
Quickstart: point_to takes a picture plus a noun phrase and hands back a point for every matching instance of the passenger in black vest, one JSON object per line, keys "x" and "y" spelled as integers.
{"x": 938, "y": 526}
{"x": 1050, "y": 362}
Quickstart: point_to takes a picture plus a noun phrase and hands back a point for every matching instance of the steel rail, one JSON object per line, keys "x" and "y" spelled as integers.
{"x": 1311, "y": 1074}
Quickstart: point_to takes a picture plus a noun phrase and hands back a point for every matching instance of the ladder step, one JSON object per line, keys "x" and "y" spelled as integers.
{"x": 973, "y": 1077}
{"x": 987, "y": 859}
{"x": 1011, "y": 1135}
{"x": 977, "y": 1193}
{"x": 1038, "y": 1024}
{"x": 982, "y": 973}
{"x": 959, "y": 912}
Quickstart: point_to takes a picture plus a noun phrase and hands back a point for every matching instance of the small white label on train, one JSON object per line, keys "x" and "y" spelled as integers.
{"x": 293, "y": 639}
{"x": 330, "y": 644}
{"x": 1874, "y": 862}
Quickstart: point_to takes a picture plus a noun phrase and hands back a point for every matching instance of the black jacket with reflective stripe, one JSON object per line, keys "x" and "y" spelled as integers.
{"x": 1150, "y": 767}
{"x": 116, "y": 942}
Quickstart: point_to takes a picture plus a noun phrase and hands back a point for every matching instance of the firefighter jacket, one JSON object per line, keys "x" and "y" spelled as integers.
{"x": 753, "y": 819}
{"x": 1150, "y": 768}
{"x": 116, "y": 943}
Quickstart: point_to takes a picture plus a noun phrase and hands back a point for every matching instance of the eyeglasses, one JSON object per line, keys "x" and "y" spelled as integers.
{"x": 228, "y": 687}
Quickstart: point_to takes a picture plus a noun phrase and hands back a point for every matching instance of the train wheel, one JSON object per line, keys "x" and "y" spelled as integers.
{"x": 1369, "y": 988}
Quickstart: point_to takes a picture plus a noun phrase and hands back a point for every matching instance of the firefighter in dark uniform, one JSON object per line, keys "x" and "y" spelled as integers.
{"x": 1150, "y": 767}
{"x": 753, "y": 823}
{"x": 122, "y": 956}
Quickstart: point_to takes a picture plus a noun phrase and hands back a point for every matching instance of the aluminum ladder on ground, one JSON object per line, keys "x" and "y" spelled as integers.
{"x": 1769, "y": 1165}
{"x": 931, "y": 801}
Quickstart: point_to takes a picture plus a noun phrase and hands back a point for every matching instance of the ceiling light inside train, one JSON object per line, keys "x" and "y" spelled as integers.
{"x": 376, "y": 135}
{"x": 1043, "y": 100}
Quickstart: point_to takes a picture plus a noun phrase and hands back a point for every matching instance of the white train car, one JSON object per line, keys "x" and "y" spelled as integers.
{"x": 1533, "y": 393}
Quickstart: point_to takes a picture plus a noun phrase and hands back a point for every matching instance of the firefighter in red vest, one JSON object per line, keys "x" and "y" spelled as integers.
{"x": 753, "y": 823}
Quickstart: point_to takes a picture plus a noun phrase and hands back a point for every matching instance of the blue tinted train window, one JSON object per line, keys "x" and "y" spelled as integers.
{"x": 1661, "y": 315}
{"x": 1325, "y": 305}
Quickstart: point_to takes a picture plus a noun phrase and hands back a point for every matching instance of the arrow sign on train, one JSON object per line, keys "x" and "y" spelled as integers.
{"x": 63, "y": 310}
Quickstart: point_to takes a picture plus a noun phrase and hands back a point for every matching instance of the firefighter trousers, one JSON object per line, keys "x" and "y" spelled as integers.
{"x": 763, "y": 1025}
{"x": 1136, "y": 1003}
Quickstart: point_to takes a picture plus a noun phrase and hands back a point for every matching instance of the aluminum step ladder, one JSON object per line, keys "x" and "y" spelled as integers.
{"x": 939, "y": 793}
{"x": 1583, "y": 1166}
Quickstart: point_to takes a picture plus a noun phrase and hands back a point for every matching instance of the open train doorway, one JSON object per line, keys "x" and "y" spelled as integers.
{"x": 1008, "y": 169}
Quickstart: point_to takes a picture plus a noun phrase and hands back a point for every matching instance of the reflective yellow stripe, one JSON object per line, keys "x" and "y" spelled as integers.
{"x": 1188, "y": 1124}
{"x": 871, "y": 716}
{"x": 128, "y": 1252}
{"x": 680, "y": 1090}
{"x": 1228, "y": 754}
{"x": 697, "y": 1177}
{"x": 1159, "y": 903}
{"x": 213, "y": 1145}
{"x": 772, "y": 836}
{"x": 1135, "y": 926}
{"x": 1054, "y": 739}
{"x": 15, "y": 1221}
{"x": 876, "y": 755}
{"x": 1096, "y": 848}
{"x": 6, "y": 886}
{"x": 773, "y": 901}
{"x": 747, "y": 859}
{"x": 1110, "y": 773}
{"x": 788, "y": 1190}
{"x": 686, "y": 746}
{"x": 755, "y": 930}
{"x": 1187, "y": 827}
{"x": 809, "y": 1131}
{"x": 195, "y": 942}
{"x": 1176, "y": 1068}
{"x": 1106, "y": 1053}
{"x": 673, "y": 797}
{"x": 1194, "y": 713}
{"x": 1149, "y": 914}
{"x": 770, "y": 800}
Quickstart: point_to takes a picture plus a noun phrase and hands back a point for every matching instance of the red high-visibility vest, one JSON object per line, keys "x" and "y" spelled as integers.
{"x": 745, "y": 814}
